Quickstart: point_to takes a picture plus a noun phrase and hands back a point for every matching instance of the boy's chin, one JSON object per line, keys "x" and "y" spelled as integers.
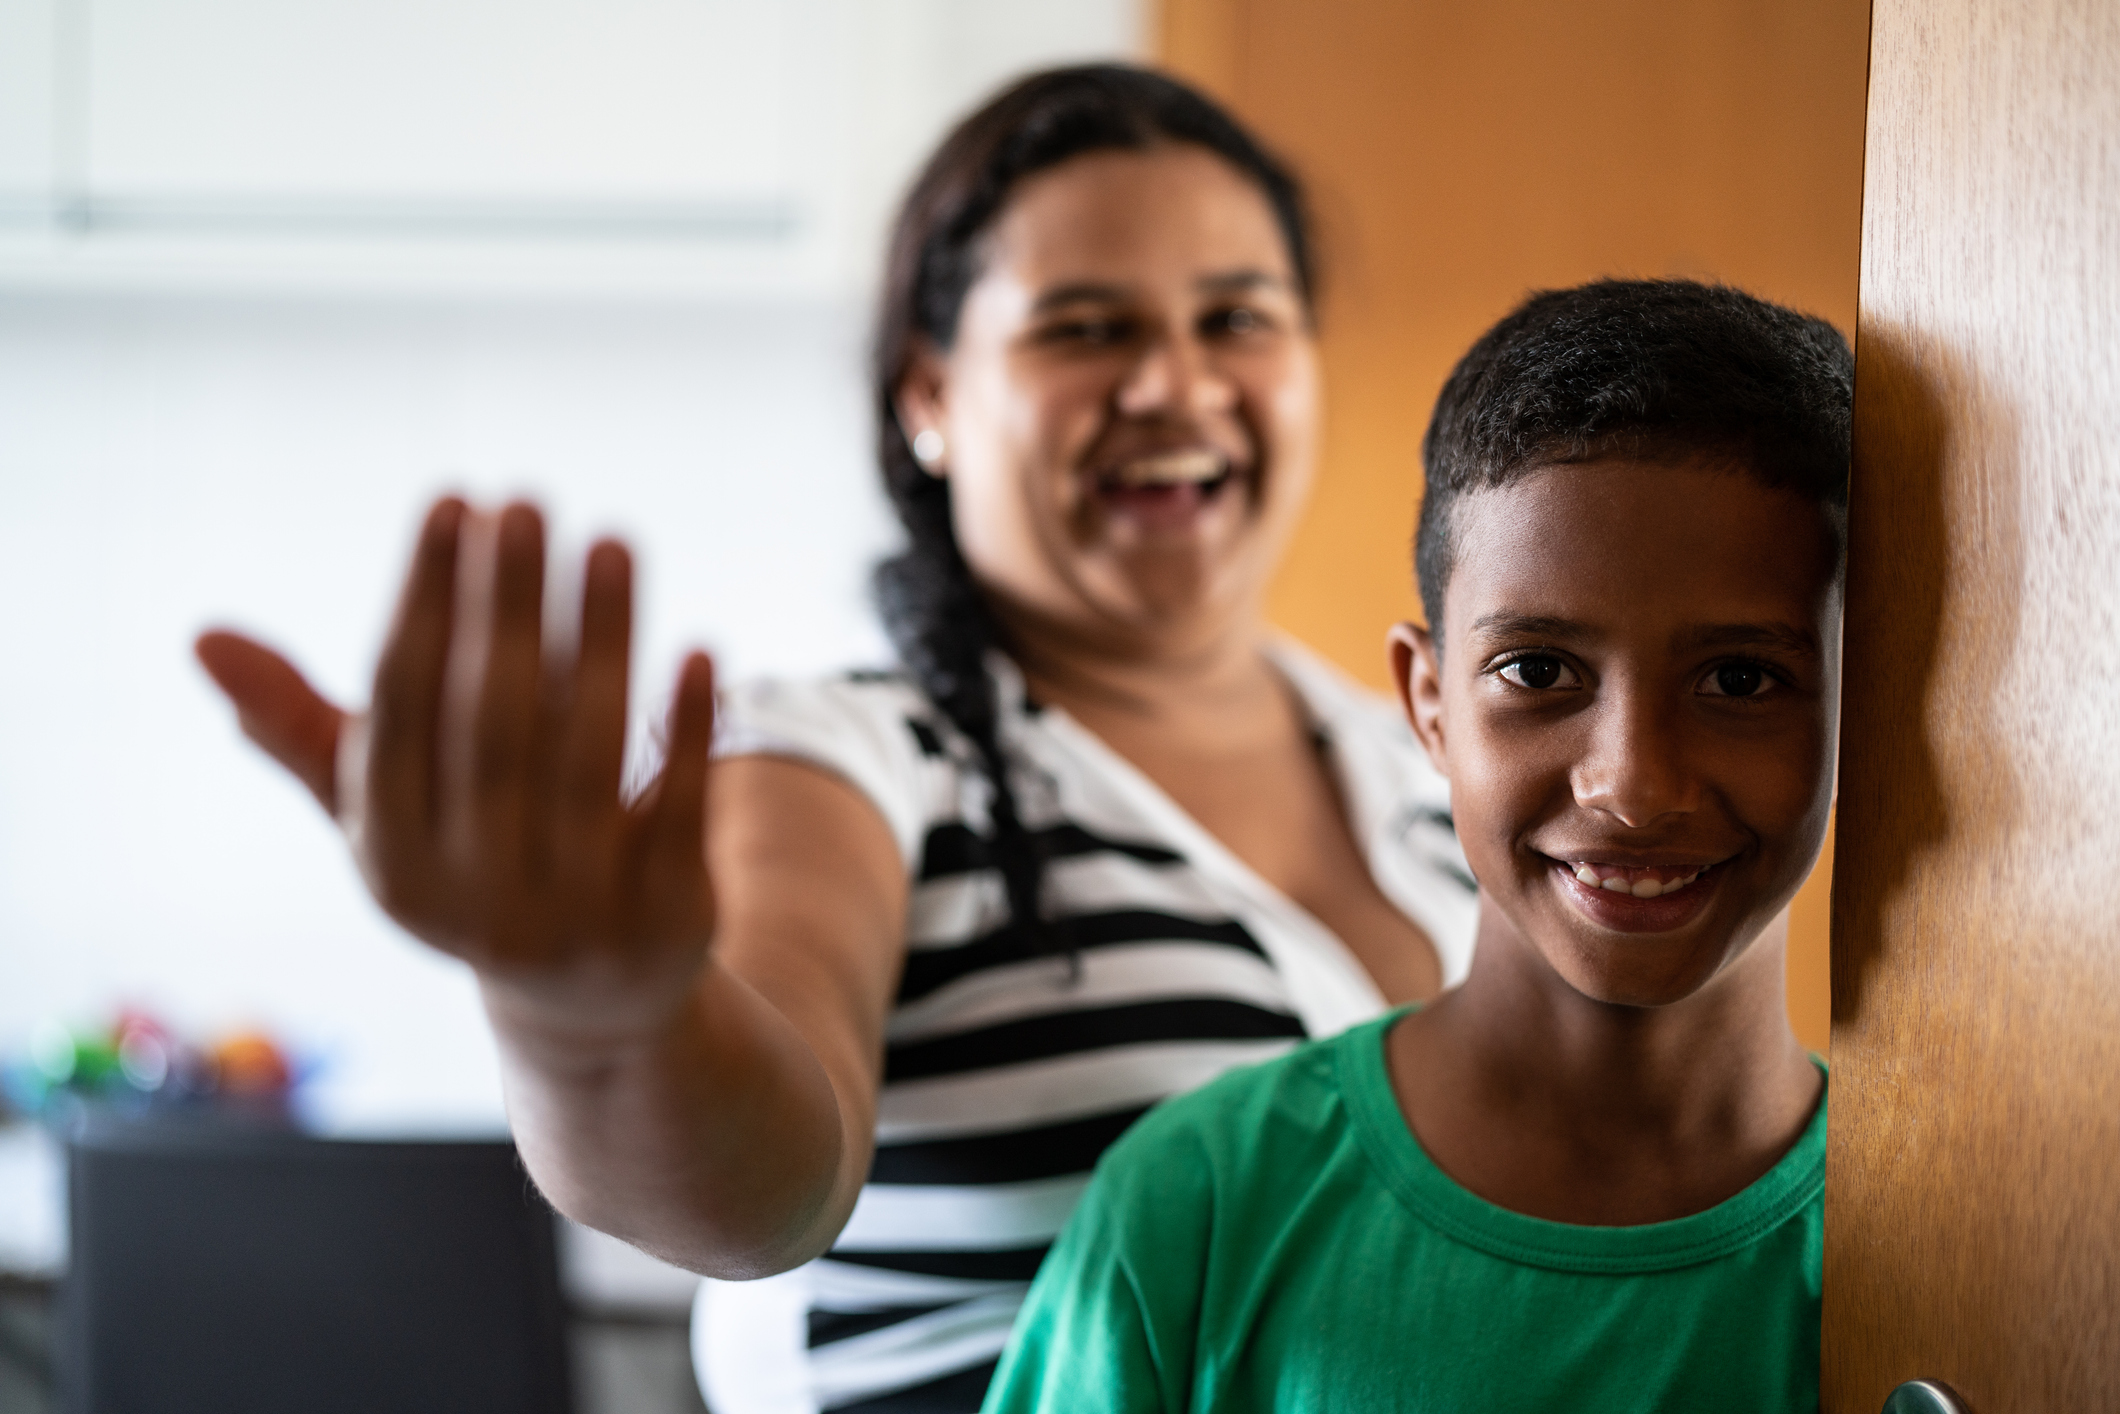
{"x": 1648, "y": 970}
{"x": 1642, "y": 952}
{"x": 1638, "y": 972}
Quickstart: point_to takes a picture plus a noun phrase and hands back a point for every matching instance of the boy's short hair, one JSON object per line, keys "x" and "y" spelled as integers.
{"x": 1658, "y": 370}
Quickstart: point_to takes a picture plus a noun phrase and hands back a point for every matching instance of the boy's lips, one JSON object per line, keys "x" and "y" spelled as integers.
{"x": 1637, "y": 898}
{"x": 1645, "y": 881}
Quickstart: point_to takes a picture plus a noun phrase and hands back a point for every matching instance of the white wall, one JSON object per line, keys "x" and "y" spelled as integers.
{"x": 171, "y": 457}
{"x": 175, "y": 463}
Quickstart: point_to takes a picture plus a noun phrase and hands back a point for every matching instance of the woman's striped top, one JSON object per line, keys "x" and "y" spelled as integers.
{"x": 1005, "y": 1078}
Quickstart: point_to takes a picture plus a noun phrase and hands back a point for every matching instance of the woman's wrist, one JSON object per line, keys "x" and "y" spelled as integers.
{"x": 581, "y": 1025}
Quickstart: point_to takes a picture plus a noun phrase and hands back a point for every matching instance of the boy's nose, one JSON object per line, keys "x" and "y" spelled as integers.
{"x": 1635, "y": 769}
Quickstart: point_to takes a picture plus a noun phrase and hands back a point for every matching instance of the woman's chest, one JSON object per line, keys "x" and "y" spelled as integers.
{"x": 1281, "y": 812}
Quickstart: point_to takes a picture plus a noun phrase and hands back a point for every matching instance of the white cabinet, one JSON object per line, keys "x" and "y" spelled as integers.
{"x": 667, "y": 146}
{"x": 30, "y": 140}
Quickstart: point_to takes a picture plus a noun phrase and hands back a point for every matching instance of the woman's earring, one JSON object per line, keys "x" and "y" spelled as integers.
{"x": 928, "y": 448}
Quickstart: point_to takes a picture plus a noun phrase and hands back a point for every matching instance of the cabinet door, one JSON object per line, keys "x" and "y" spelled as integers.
{"x": 746, "y": 148}
{"x": 1973, "y": 1190}
{"x": 405, "y": 101}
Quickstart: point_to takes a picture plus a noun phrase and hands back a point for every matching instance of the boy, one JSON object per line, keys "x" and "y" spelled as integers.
{"x": 1589, "y": 1178}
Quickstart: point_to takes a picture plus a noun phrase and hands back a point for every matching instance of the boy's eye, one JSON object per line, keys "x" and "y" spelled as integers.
{"x": 1538, "y": 671}
{"x": 1736, "y": 680}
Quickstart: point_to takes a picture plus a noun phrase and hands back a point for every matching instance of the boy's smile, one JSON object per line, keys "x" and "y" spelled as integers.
{"x": 1634, "y": 702}
{"x": 1637, "y": 899}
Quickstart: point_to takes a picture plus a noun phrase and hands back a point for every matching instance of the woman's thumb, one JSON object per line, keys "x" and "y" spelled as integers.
{"x": 277, "y": 708}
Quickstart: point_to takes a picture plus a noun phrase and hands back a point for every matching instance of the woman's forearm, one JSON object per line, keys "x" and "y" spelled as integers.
{"x": 718, "y": 1143}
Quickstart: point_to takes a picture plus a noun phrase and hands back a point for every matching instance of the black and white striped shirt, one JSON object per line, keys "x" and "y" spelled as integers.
{"x": 1005, "y": 1078}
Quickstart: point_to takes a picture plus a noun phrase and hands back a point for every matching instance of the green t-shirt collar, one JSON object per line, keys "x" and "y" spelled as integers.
{"x": 1440, "y": 1201}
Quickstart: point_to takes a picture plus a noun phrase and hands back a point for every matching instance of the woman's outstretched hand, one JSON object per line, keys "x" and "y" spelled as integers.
{"x": 719, "y": 1111}
{"x": 482, "y": 791}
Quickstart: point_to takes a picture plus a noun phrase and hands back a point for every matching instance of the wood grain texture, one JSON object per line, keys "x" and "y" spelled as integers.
{"x": 1973, "y": 1191}
{"x": 1463, "y": 155}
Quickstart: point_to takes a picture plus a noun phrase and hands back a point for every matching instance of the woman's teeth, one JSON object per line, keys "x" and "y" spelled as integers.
{"x": 1641, "y": 883}
{"x": 1172, "y": 469}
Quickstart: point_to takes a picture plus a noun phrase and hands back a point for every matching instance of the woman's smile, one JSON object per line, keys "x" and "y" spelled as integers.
{"x": 1168, "y": 494}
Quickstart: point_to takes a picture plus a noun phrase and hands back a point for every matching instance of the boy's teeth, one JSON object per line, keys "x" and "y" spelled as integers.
{"x": 1171, "y": 469}
{"x": 1648, "y": 886}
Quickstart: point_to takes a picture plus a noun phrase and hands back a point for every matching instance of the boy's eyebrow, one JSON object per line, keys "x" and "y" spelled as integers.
{"x": 1786, "y": 637}
{"x": 1532, "y": 626}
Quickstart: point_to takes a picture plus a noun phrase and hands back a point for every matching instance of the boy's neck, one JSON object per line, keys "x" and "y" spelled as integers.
{"x": 1548, "y": 1103}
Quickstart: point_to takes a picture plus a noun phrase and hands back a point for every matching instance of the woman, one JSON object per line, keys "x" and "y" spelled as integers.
{"x": 864, "y": 1010}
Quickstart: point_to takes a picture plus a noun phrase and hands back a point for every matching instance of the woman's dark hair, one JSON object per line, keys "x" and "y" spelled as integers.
{"x": 932, "y": 608}
{"x": 1660, "y": 370}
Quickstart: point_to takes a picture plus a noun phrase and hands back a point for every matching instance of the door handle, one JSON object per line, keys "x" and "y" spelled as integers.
{"x": 1923, "y": 1397}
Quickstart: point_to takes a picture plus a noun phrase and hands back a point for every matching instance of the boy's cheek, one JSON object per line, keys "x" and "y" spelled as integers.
{"x": 1496, "y": 789}
{"x": 1784, "y": 796}
{"x": 1802, "y": 828}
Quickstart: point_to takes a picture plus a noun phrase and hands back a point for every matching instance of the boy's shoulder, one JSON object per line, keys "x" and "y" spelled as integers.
{"x": 1252, "y": 1120}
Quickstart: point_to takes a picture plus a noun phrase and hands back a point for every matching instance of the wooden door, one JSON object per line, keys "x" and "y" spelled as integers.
{"x": 1973, "y": 1189}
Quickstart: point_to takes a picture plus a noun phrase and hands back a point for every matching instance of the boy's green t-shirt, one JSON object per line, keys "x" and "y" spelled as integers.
{"x": 1280, "y": 1241}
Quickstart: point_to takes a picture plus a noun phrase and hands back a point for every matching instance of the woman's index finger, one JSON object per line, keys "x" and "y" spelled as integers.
{"x": 673, "y": 833}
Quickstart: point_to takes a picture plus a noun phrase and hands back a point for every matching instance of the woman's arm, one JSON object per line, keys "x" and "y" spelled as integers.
{"x": 735, "y": 1140}
{"x": 690, "y": 1018}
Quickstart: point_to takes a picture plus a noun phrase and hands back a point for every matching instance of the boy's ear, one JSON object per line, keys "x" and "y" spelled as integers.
{"x": 919, "y": 403}
{"x": 1418, "y": 672}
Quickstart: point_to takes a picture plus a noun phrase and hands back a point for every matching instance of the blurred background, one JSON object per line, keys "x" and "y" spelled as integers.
{"x": 274, "y": 275}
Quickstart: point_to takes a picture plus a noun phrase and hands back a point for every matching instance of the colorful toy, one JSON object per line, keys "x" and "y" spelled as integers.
{"x": 139, "y": 1062}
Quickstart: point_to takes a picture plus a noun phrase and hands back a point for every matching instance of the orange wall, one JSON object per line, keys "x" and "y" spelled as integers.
{"x": 1462, "y": 154}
